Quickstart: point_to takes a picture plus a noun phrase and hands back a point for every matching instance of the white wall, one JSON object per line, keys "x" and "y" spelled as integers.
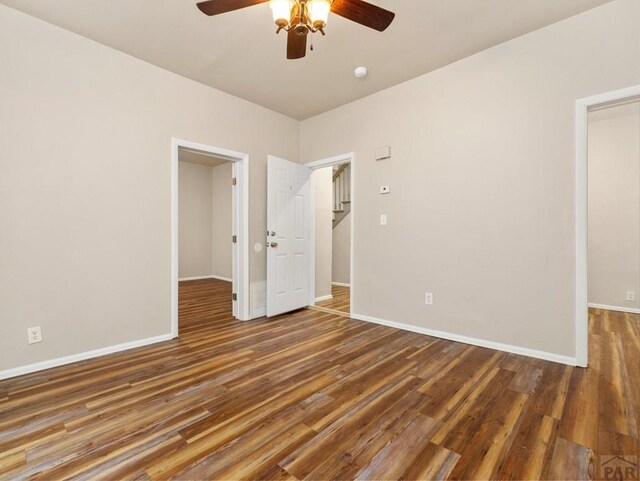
{"x": 323, "y": 186}
{"x": 341, "y": 252}
{"x": 196, "y": 220}
{"x": 222, "y": 221}
{"x": 614, "y": 205}
{"x": 482, "y": 176}
{"x": 85, "y": 186}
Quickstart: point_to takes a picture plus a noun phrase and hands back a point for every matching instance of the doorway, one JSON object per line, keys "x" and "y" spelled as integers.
{"x": 333, "y": 204}
{"x": 291, "y": 232}
{"x": 614, "y": 208}
{"x": 607, "y": 213}
{"x": 209, "y": 231}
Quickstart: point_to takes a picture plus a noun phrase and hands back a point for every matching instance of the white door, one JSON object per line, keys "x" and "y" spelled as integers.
{"x": 289, "y": 232}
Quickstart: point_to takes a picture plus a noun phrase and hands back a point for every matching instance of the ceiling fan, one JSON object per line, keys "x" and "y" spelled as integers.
{"x": 301, "y": 17}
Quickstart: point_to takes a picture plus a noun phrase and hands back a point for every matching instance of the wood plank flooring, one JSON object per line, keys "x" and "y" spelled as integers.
{"x": 341, "y": 301}
{"x": 313, "y": 395}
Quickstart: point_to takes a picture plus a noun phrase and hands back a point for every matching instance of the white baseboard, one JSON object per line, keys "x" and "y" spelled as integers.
{"x": 630, "y": 310}
{"x": 201, "y": 278}
{"x": 340, "y": 284}
{"x": 523, "y": 351}
{"x": 40, "y": 366}
{"x": 324, "y": 298}
{"x": 220, "y": 278}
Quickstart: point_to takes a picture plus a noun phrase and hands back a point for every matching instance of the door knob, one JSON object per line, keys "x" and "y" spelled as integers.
{"x": 273, "y": 244}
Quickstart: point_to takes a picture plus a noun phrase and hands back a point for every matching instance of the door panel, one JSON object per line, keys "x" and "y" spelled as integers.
{"x": 289, "y": 234}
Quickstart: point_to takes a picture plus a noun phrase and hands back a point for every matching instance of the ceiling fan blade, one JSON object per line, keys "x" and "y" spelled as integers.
{"x": 363, "y": 13}
{"x": 296, "y": 45}
{"x": 216, "y": 7}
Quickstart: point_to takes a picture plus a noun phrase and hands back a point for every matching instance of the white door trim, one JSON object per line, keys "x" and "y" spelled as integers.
{"x": 335, "y": 160}
{"x": 581, "y": 206}
{"x": 318, "y": 164}
{"x": 240, "y": 216}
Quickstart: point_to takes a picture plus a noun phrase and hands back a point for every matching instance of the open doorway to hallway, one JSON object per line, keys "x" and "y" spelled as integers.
{"x": 608, "y": 234}
{"x": 205, "y": 238}
{"x": 588, "y": 135}
{"x": 613, "y": 154}
{"x": 614, "y": 207}
{"x": 333, "y": 223}
{"x": 209, "y": 234}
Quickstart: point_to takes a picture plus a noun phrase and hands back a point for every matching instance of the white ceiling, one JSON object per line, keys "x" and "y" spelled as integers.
{"x": 239, "y": 53}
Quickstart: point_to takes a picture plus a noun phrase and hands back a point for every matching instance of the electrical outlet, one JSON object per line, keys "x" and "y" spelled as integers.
{"x": 428, "y": 298}
{"x": 34, "y": 334}
{"x": 383, "y": 219}
{"x": 631, "y": 296}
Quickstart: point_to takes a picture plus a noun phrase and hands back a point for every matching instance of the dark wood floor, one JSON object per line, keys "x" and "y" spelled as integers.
{"x": 314, "y": 395}
{"x": 341, "y": 301}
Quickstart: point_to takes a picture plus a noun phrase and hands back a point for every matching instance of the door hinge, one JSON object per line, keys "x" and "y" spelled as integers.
{"x": 234, "y": 181}
{"x": 234, "y": 296}
{"x": 234, "y": 239}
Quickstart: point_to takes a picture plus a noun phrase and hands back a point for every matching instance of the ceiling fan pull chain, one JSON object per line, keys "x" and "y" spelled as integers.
{"x": 311, "y": 47}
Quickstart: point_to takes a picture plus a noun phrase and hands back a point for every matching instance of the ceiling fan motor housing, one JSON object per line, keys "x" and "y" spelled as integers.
{"x": 301, "y": 29}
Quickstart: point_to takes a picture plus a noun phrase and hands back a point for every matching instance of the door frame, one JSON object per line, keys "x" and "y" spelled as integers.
{"x": 581, "y": 210}
{"x": 349, "y": 158}
{"x": 240, "y": 225}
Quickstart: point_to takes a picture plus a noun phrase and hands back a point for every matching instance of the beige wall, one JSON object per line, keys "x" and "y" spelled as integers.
{"x": 614, "y": 205}
{"x": 85, "y": 186}
{"x": 323, "y": 185}
{"x": 222, "y": 221}
{"x": 196, "y": 220}
{"x": 482, "y": 176}
{"x": 341, "y": 253}
{"x": 481, "y": 211}
{"x": 206, "y": 220}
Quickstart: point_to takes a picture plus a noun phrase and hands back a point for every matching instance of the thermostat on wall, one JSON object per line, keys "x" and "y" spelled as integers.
{"x": 383, "y": 153}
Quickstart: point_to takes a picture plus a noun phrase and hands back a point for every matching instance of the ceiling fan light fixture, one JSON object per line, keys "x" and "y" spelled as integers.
{"x": 301, "y": 18}
{"x": 281, "y": 10}
{"x": 318, "y": 11}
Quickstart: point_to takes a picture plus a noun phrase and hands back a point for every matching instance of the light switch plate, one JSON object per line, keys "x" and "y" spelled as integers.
{"x": 383, "y": 219}
{"x": 383, "y": 153}
{"x": 385, "y": 189}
